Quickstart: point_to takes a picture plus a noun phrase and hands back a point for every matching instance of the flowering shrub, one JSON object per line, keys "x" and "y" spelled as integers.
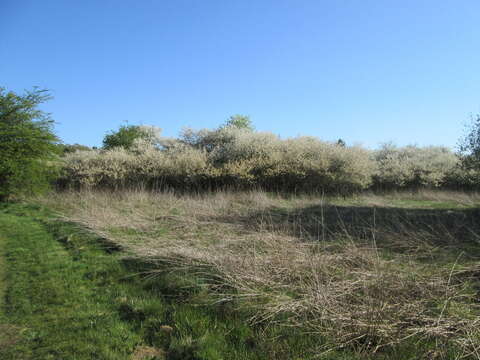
{"x": 413, "y": 166}
{"x": 242, "y": 158}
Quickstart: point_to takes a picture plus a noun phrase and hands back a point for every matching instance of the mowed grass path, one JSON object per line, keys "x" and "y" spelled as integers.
{"x": 6, "y": 330}
{"x": 50, "y": 302}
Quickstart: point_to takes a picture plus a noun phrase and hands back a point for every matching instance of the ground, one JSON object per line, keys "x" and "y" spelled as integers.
{"x": 250, "y": 275}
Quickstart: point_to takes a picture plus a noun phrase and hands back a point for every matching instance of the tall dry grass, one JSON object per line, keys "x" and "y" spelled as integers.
{"x": 361, "y": 277}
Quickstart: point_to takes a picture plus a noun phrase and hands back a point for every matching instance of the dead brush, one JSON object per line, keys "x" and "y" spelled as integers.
{"x": 350, "y": 298}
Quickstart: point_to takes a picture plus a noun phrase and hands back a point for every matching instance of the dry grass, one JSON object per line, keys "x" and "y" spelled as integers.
{"x": 147, "y": 352}
{"x": 361, "y": 284}
{"x": 9, "y": 335}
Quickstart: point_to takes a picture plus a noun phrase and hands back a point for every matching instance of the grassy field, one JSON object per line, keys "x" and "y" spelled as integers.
{"x": 138, "y": 275}
{"x": 391, "y": 276}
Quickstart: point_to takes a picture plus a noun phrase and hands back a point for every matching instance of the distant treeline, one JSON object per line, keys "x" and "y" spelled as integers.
{"x": 239, "y": 157}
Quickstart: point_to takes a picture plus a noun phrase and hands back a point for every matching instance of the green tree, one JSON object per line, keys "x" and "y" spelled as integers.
{"x": 28, "y": 146}
{"x": 240, "y": 122}
{"x": 469, "y": 145}
{"x": 126, "y": 136}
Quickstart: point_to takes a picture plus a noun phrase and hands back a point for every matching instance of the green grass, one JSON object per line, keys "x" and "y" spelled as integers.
{"x": 422, "y": 199}
{"x": 7, "y": 332}
{"x": 2, "y": 274}
{"x": 56, "y": 301}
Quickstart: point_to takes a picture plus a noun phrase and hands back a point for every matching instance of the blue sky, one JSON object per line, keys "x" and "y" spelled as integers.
{"x": 366, "y": 71}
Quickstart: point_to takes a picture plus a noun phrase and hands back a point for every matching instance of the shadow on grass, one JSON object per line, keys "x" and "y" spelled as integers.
{"x": 395, "y": 229}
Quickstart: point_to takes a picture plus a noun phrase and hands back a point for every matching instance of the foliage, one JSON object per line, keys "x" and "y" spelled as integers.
{"x": 28, "y": 146}
{"x": 70, "y": 148}
{"x": 412, "y": 166}
{"x": 470, "y": 145}
{"x": 227, "y": 157}
{"x": 127, "y": 135}
{"x": 241, "y": 158}
{"x": 239, "y": 122}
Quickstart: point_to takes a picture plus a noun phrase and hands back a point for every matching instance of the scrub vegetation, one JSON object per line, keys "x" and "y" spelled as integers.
{"x": 239, "y": 158}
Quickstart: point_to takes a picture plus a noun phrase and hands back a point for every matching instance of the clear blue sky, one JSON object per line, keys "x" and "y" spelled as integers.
{"x": 362, "y": 70}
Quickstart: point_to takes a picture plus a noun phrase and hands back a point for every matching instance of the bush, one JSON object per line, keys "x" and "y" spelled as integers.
{"x": 227, "y": 157}
{"x": 28, "y": 146}
{"x": 238, "y": 122}
{"x": 147, "y": 166}
{"x": 239, "y": 157}
{"x": 306, "y": 163}
{"x": 470, "y": 145}
{"x": 412, "y": 166}
{"x": 70, "y": 148}
{"x": 127, "y": 135}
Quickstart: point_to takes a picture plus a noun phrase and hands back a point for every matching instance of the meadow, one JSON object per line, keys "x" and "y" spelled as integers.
{"x": 262, "y": 275}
